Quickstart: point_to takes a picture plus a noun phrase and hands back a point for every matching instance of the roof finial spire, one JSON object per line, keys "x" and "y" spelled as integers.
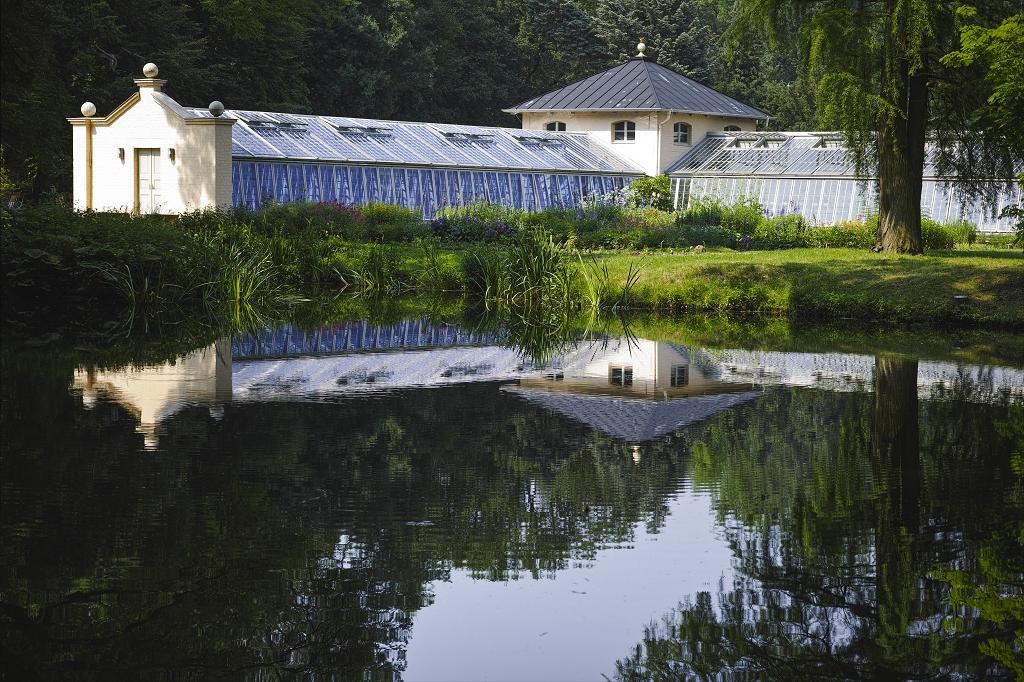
{"x": 640, "y": 47}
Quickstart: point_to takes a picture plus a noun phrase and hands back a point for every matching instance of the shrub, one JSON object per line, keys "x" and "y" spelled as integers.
{"x": 380, "y": 269}
{"x": 845, "y": 234}
{"x": 780, "y": 232}
{"x": 612, "y": 238}
{"x": 1001, "y": 240}
{"x": 390, "y": 223}
{"x": 1015, "y": 212}
{"x": 564, "y": 224}
{"x": 963, "y": 232}
{"x": 743, "y": 217}
{"x": 936, "y": 236}
{"x": 482, "y": 272}
{"x": 702, "y": 212}
{"x": 648, "y": 218}
{"x": 438, "y": 271}
{"x": 650, "y": 192}
{"x": 476, "y": 223}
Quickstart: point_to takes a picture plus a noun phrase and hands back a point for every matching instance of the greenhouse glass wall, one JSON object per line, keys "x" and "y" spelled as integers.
{"x": 813, "y": 175}
{"x": 423, "y": 166}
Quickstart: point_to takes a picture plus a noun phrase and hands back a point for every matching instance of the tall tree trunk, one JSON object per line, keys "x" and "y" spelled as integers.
{"x": 895, "y": 435}
{"x": 901, "y": 140}
{"x": 897, "y": 465}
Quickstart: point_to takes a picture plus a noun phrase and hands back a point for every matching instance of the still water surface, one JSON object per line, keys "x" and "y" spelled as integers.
{"x": 419, "y": 502}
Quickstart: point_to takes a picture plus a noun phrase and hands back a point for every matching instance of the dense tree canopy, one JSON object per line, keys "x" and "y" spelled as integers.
{"x": 893, "y": 73}
{"x": 458, "y": 61}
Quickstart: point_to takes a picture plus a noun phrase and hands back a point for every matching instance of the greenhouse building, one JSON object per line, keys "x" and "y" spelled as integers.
{"x": 152, "y": 155}
{"x": 813, "y": 175}
{"x": 585, "y": 141}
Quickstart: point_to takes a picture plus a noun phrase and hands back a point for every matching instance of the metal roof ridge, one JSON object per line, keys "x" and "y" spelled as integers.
{"x": 519, "y": 106}
{"x": 702, "y": 88}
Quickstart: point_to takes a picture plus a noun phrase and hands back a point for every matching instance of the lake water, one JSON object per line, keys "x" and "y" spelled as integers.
{"x": 417, "y": 501}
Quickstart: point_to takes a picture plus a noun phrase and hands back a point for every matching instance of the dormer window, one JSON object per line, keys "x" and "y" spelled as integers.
{"x": 732, "y": 129}
{"x": 681, "y": 133}
{"x": 623, "y": 131}
{"x": 555, "y": 126}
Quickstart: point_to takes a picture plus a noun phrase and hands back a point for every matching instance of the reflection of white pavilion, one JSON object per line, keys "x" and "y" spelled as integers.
{"x": 156, "y": 392}
{"x": 632, "y": 389}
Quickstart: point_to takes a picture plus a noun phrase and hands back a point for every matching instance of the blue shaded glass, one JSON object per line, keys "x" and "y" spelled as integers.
{"x": 564, "y": 194}
{"x": 311, "y": 181}
{"x": 543, "y": 199}
{"x": 295, "y": 182}
{"x": 427, "y": 190}
{"x": 356, "y": 185}
{"x": 400, "y": 180}
{"x": 465, "y": 195}
{"x": 453, "y": 183}
{"x": 371, "y": 184}
{"x": 516, "y": 181}
{"x": 328, "y": 187}
{"x": 386, "y": 190}
{"x": 504, "y": 190}
{"x": 343, "y": 182}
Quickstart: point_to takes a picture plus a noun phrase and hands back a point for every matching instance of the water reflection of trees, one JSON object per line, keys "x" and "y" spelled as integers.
{"x": 290, "y": 538}
{"x": 846, "y": 568}
{"x": 287, "y": 537}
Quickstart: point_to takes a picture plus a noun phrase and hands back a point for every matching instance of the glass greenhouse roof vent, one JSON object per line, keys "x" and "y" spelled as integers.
{"x": 538, "y": 137}
{"x": 264, "y": 124}
{"x": 460, "y": 132}
{"x": 468, "y": 136}
{"x": 362, "y": 130}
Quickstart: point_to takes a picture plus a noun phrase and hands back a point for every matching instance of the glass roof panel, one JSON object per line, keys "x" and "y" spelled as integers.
{"x": 287, "y": 142}
{"x": 772, "y": 154}
{"x": 337, "y": 138}
{"x": 785, "y": 154}
{"x": 700, "y": 154}
{"x": 410, "y": 140}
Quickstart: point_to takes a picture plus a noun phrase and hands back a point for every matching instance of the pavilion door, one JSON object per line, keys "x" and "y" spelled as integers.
{"x": 147, "y": 180}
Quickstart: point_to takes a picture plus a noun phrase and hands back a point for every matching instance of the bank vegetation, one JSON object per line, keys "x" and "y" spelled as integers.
{"x": 711, "y": 258}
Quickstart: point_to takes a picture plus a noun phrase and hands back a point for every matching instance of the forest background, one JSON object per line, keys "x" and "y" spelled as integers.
{"x": 452, "y": 61}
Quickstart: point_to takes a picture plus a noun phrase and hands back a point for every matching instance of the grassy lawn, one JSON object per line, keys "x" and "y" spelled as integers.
{"x": 835, "y": 284}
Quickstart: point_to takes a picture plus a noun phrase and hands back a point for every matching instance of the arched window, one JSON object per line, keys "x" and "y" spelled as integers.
{"x": 681, "y": 133}
{"x": 555, "y": 126}
{"x": 732, "y": 129}
{"x": 623, "y": 131}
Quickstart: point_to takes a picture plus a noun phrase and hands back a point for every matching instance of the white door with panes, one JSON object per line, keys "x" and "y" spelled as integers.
{"x": 148, "y": 180}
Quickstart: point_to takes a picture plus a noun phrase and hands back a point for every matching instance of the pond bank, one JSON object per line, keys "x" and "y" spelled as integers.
{"x": 970, "y": 288}
{"x": 58, "y": 263}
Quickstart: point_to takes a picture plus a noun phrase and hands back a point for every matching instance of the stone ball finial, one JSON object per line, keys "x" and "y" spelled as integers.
{"x": 150, "y": 70}
{"x": 216, "y": 108}
{"x": 640, "y": 47}
{"x": 88, "y": 109}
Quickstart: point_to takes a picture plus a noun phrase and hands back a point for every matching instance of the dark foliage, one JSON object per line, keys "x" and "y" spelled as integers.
{"x": 457, "y": 61}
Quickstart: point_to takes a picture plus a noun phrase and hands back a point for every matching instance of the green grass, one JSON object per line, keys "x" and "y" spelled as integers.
{"x": 59, "y": 265}
{"x": 834, "y": 284}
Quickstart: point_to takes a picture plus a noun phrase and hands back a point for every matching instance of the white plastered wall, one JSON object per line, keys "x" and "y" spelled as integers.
{"x": 198, "y": 177}
{"x": 651, "y": 361}
{"x": 653, "y": 150}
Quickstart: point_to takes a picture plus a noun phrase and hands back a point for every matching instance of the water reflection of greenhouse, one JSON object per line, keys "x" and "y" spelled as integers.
{"x": 633, "y": 389}
{"x": 814, "y": 175}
